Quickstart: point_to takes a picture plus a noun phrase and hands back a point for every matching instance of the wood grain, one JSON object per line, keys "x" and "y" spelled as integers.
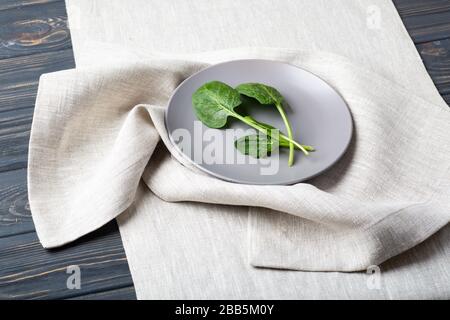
{"x": 27, "y": 271}
{"x": 426, "y": 20}
{"x": 408, "y": 8}
{"x": 432, "y": 28}
{"x": 15, "y": 129}
{"x": 34, "y": 39}
{"x": 436, "y": 57}
{"x": 446, "y": 97}
{"x": 11, "y": 4}
{"x": 19, "y": 77}
{"x": 33, "y": 29}
{"x": 15, "y": 215}
{"x": 127, "y": 293}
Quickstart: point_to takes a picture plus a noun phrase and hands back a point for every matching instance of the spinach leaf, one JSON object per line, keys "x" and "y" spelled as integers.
{"x": 261, "y": 92}
{"x": 256, "y": 145}
{"x": 214, "y": 102}
{"x": 261, "y": 145}
{"x": 269, "y": 95}
{"x": 283, "y": 141}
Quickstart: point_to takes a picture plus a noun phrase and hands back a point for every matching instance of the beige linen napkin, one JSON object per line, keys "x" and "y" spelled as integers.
{"x": 96, "y": 131}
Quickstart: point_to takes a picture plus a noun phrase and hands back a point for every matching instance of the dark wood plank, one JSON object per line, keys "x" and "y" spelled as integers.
{"x": 436, "y": 57}
{"x": 15, "y": 215}
{"x": 11, "y": 4}
{"x": 15, "y": 129}
{"x": 35, "y": 40}
{"x": 447, "y": 98}
{"x": 429, "y": 28}
{"x": 127, "y": 293}
{"x": 27, "y": 271}
{"x": 425, "y": 20}
{"x": 26, "y": 266}
{"x": 408, "y": 8}
{"x": 32, "y": 29}
{"x": 19, "y": 76}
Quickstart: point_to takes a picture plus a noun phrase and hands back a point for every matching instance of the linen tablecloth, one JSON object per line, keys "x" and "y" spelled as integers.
{"x": 99, "y": 150}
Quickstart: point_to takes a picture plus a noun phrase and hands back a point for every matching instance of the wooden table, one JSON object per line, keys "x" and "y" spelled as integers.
{"x": 34, "y": 39}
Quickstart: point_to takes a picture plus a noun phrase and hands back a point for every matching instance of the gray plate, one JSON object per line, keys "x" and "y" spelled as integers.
{"x": 318, "y": 114}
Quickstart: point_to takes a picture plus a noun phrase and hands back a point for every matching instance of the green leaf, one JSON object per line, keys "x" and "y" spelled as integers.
{"x": 256, "y": 145}
{"x": 261, "y": 124}
{"x": 214, "y": 102}
{"x": 261, "y": 92}
{"x": 282, "y": 141}
{"x": 269, "y": 95}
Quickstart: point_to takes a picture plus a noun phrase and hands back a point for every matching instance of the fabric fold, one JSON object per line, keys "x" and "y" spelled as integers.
{"x": 95, "y": 129}
{"x": 88, "y": 151}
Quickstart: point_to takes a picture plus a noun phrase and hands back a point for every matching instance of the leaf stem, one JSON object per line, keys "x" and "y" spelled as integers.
{"x": 298, "y": 145}
{"x": 264, "y": 130}
{"x": 289, "y": 132}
